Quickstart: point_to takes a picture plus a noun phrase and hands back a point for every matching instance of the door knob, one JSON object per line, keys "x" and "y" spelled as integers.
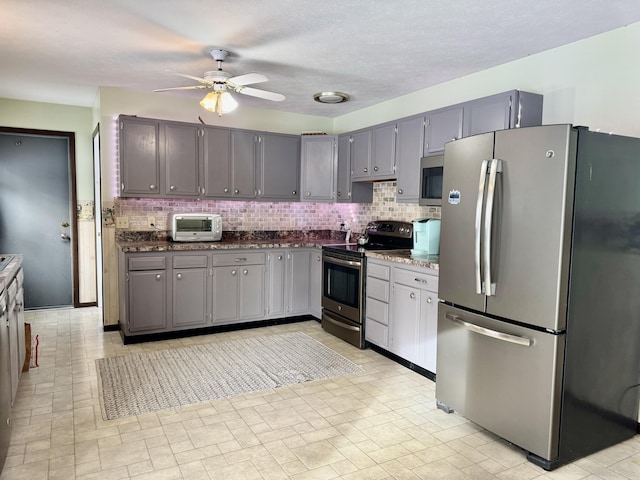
{"x": 64, "y": 236}
{"x": 64, "y": 224}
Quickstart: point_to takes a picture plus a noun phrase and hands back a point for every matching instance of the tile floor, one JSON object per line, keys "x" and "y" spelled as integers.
{"x": 379, "y": 424}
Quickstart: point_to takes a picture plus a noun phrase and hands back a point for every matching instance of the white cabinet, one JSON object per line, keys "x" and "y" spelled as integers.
{"x": 402, "y": 311}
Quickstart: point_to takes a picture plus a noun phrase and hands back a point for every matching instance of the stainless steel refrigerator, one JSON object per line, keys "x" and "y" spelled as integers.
{"x": 539, "y": 313}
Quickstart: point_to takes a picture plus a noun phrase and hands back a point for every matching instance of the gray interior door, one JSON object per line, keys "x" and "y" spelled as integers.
{"x": 34, "y": 207}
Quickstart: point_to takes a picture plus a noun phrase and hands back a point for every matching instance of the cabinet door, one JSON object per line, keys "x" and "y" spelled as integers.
{"x": 361, "y": 143}
{"x": 487, "y": 114}
{"x": 383, "y": 159}
{"x": 343, "y": 193}
{"x": 409, "y": 150}
{"x": 216, "y": 162}
{"x": 404, "y": 320}
{"x": 226, "y": 293}
{"x": 279, "y": 167}
{"x": 181, "y": 159}
{"x": 298, "y": 282}
{"x": 243, "y": 164}
{"x": 442, "y": 126}
{"x": 147, "y": 300}
{"x": 428, "y": 331}
{"x": 318, "y": 168}
{"x": 12, "y": 323}
{"x": 5, "y": 382}
{"x": 190, "y": 297}
{"x": 277, "y": 261}
{"x": 315, "y": 284}
{"x": 251, "y": 303}
{"x": 139, "y": 157}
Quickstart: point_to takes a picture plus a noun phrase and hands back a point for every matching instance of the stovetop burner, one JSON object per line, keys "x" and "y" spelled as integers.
{"x": 380, "y": 235}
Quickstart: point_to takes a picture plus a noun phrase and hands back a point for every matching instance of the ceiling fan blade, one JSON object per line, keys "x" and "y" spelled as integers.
{"x": 192, "y": 87}
{"x": 248, "y": 79}
{"x": 254, "y": 92}
{"x": 192, "y": 77}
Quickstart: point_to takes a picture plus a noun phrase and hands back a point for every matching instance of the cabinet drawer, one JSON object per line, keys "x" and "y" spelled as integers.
{"x": 147, "y": 263}
{"x": 240, "y": 258}
{"x": 378, "y": 311}
{"x": 189, "y": 261}
{"x": 378, "y": 271}
{"x": 378, "y": 289}
{"x": 420, "y": 280}
{"x": 376, "y": 333}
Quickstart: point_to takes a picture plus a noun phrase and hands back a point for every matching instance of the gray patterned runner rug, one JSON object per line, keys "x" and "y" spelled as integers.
{"x": 146, "y": 382}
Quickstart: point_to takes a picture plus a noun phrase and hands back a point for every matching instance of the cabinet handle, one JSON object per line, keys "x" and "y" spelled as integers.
{"x": 226, "y": 190}
{"x": 279, "y": 257}
{"x": 429, "y": 300}
{"x": 400, "y": 191}
{"x": 239, "y": 259}
{"x": 294, "y": 192}
{"x": 421, "y": 280}
{"x": 412, "y": 295}
{"x": 259, "y": 192}
{"x": 233, "y": 272}
{"x": 454, "y": 138}
{"x": 179, "y": 276}
{"x": 244, "y": 272}
{"x": 236, "y": 191}
{"x": 365, "y": 170}
{"x": 308, "y": 194}
{"x": 159, "y": 276}
{"x": 152, "y": 187}
{"x": 318, "y": 258}
{"x": 172, "y": 188}
{"x": 339, "y": 193}
{"x": 375, "y": 169}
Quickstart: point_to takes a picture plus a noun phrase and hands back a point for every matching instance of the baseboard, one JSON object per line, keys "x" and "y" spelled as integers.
{"x": 412, "y": 366}
{"x": 111, "y": 328}
{"x": 152, "y": 337}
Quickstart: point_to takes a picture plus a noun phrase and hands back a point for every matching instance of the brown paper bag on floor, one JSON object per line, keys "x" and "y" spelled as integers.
{"x": 27, "y": 344}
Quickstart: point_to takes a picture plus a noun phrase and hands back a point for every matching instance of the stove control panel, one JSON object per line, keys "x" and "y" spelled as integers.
{"x": 390, "y": 228}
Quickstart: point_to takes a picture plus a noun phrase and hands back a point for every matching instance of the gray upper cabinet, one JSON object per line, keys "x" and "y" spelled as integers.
{"x": 442, "y": 126}
{"x": 180, "y": 156}
{"x": 278, "y": 163}
{"x": 216, "y": 162}
{"x": 511, "y": 109}
{"x": 361, "y": 144}
{"x": 139, "y": 144}
{"x": 409, "y": 142}
{"x": 243, "y": 164}
{"x": 349, "y": 192}
{"x": 383, "y": 153}
{"x": 319, "y": 162}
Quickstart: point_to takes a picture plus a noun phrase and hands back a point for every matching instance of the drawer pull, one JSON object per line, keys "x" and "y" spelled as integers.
{"x": 159, "y": 276}
{"x": 233, "y": 272}
{"x": 421, "y": 280}
{"x": 179, "y": 276}
{"x": 240, "y": 259}
{"x": 245, "y": 271}
{"x": 412, "y": 295}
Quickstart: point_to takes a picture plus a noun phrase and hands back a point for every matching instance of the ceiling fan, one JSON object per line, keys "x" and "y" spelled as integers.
{"x": 220, "y": 83}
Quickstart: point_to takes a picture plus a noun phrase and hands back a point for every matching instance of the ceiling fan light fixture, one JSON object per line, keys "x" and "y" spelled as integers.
{"x": 219, "y": 102}
{"x": 331, "y": 97}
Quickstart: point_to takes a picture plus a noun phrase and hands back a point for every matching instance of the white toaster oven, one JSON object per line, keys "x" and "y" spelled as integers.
{"x": 196, "y": 227}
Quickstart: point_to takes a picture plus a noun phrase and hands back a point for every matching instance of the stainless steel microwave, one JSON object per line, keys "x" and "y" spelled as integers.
{"x": 196, "y": 227}
{"x": 431, "y": 171}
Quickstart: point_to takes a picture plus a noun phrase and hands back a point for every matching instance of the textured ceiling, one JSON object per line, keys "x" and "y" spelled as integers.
{"x": 62, "y": 51}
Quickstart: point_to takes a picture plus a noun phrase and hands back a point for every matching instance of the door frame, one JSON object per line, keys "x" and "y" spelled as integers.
{"x": 73, "y": 214}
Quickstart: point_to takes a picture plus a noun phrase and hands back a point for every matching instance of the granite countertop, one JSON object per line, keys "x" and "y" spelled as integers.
{"x": 405, "y": 256}
{"x": 10, "y": 270}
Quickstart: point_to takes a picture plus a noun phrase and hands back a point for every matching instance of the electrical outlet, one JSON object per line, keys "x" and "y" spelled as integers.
{"x": 122, "y": 222}
{"x": 151, "y": 222}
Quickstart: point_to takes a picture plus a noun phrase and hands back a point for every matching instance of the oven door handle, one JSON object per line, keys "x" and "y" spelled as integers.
{"x": 346, "y": 263}
{"x": 340, "y": 324}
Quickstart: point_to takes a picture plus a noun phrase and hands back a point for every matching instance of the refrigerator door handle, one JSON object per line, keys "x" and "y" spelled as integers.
{"x": 478, "y": 225}
{"x": 494, "y": 168}
{"x": 505, "y": 337}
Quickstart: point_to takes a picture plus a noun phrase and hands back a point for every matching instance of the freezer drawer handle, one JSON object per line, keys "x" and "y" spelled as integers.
{"x": 527, "y": 342}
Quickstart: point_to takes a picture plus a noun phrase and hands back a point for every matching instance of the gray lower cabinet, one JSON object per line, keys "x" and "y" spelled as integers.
{"x": 298, "y": 268}
{"x": 191, "y": 283}
{"x": 401, "y": 311}
{"x": 318, "y": 169}
{"x": 278, "y": 165}
{"x": 146, "y": 293}
{"x": 277, "y": 290}
{"x": 238, "y": 286}
{"x": 315, "y": 283}
{"x": 5, "y": 381}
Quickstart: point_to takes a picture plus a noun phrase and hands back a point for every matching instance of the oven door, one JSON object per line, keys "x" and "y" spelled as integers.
{"x": 342, "y": 286}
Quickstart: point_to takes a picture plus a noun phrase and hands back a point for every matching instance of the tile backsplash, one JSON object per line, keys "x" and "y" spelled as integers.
{"x": 249, "y": 216}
